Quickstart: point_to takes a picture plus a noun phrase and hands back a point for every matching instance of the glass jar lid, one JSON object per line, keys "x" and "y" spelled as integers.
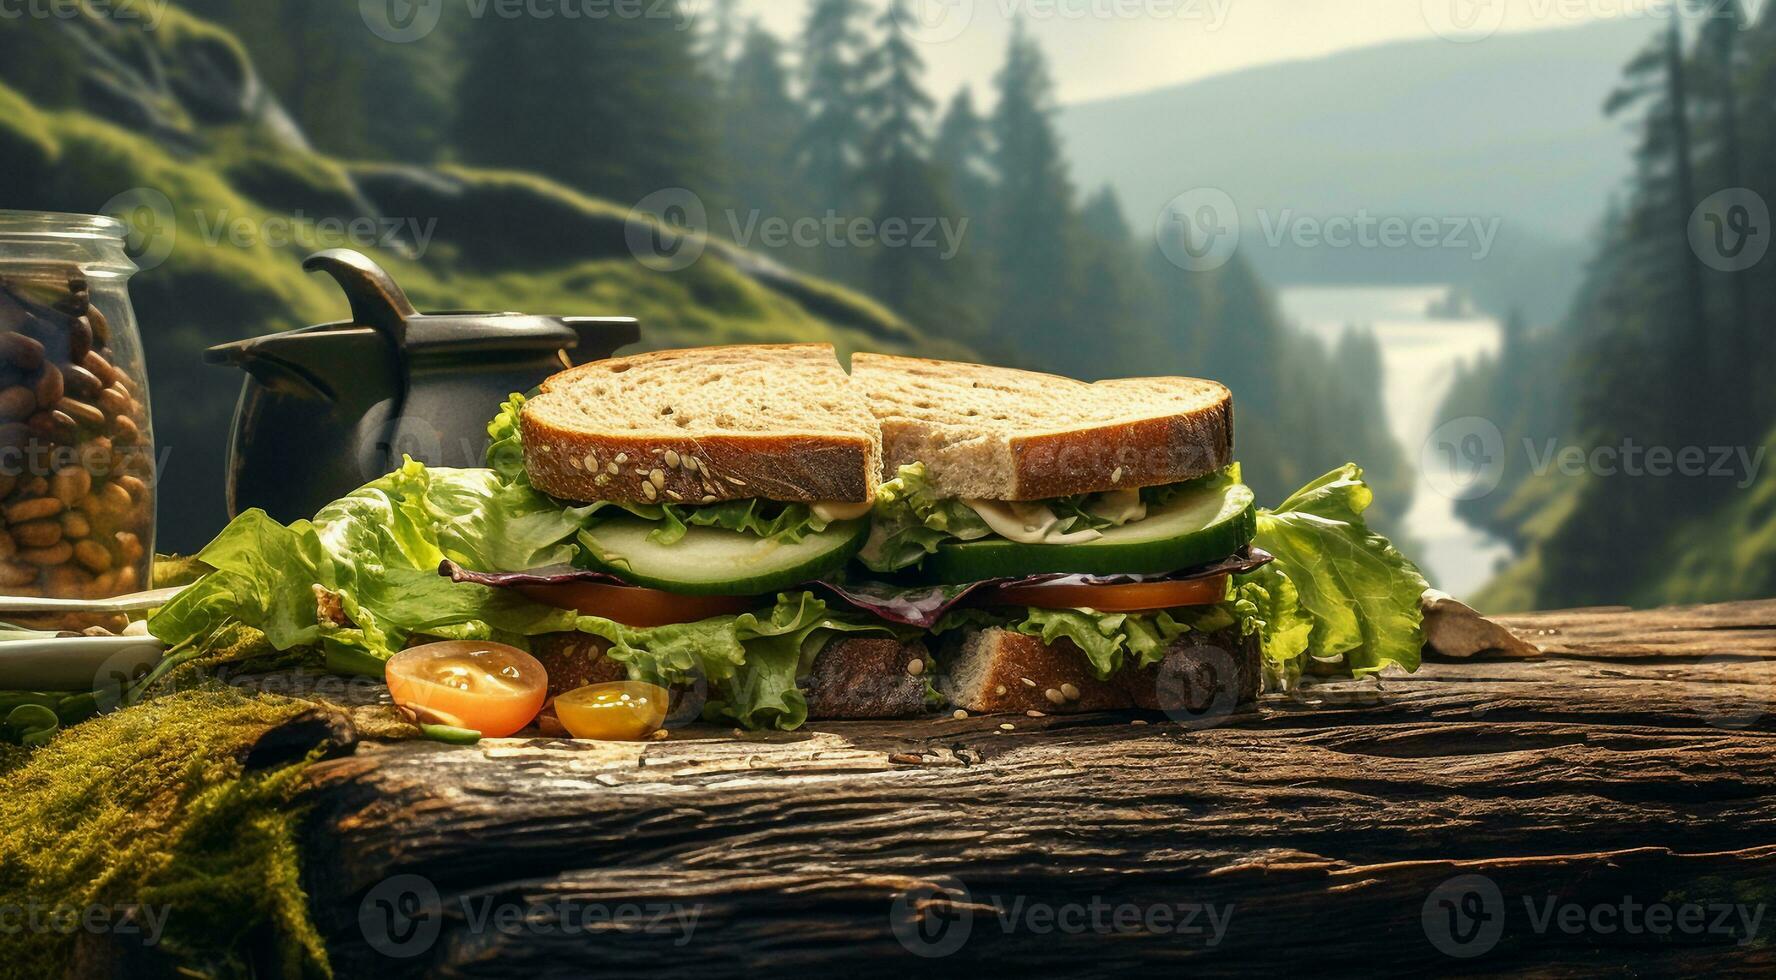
{"x": 55, "y": 224}
{"x": 92, "y": 241}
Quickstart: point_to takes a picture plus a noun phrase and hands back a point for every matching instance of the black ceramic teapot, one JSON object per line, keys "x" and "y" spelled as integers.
{"x": 329, "y": 408}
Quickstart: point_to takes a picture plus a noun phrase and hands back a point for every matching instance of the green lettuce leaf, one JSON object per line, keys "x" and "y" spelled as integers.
{"x": 1284, "y": 628}
{"x": 505, "y": 446}
{"x": 32, "y": 718}
{"x": 749, "y": 662}
{"x": 362, "y": 577}
{"x": 1359, "y": 593}
{"x": 1109, "y": 640}
{"x": 765, "y": 518}
{"x": 911, "y": 519}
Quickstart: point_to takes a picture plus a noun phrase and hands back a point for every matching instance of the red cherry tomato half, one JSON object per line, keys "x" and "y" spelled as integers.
{"x": 635, "y": 606}
{"x": 491, "y": 688}
{"x": 1134, "y": 597}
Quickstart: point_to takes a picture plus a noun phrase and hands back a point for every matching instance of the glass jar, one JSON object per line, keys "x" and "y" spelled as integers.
{"x": 77, "y": 464}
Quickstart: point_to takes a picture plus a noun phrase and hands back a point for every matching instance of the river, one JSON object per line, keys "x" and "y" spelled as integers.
{"x": 1420, "y": 355}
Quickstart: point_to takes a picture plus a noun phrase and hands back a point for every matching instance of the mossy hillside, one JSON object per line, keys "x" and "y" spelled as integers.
{"x": 176, "y": 77}
{"x": 1725, "y": 553}
{"x": 1537, "y": 508}
{"x": 1729, "y": 553}
{"x": 235, "y": 211}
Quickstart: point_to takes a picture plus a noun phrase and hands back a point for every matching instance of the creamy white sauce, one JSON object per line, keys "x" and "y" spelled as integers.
{"x": 834, "y": 510}
{"x": 1027, "y": 522}
{"x": 1119, "y": 507}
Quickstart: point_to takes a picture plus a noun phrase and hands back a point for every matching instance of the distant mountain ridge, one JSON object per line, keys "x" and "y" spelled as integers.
{"x": 1508, "y": 128}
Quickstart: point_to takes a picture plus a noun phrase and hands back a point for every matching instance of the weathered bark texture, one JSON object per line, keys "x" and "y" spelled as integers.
{"x": 1636, "y": 760}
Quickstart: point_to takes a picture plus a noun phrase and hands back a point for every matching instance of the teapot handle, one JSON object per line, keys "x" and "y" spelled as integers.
{"x": 376, "y": 300}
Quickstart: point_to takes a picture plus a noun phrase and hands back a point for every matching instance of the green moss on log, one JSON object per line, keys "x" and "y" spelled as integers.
{"x": 153, "y": 807}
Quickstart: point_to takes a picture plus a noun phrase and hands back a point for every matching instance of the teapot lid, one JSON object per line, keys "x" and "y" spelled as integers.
{"x": 377, "y": 301}
{"x": 379, "y": 304}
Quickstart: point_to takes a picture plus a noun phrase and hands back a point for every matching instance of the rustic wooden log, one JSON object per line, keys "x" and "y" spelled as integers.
{"x": 1479, "y": 816}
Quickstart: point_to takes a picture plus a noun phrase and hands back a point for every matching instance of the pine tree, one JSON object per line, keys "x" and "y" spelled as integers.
{"x": 1033, "y": 219}
{"x": 962, "y": 153}
{"x": 1675, "y": 310}
{"x": 830, "y": 148}
{"x": 353, "y": 94}
{"x": 617, "y": 108}
{"x": 759, "y": 127}
{"x": 914, "y": 275}
{"x": 1758, "y": 143}
{"x": 1717, "y": 70}
{"x": 1646, "y": 357}
{"x": 1115, "y": 293}
{"x": 720, "y": 38}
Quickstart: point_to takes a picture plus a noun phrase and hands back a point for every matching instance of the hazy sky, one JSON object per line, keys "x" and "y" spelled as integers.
{"x": 1110, "y": 47}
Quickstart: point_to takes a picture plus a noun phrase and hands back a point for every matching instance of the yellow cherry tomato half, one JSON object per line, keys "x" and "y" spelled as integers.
{"x": 618, "y": 711}
{"x": 491, "y": 688}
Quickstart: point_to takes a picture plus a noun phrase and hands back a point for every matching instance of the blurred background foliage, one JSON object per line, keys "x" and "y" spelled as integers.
{"x": 528, "y": 141}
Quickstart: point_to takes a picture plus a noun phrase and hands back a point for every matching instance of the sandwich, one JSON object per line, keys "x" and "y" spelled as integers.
{"x": 774, "y": 539}
{"x": 1097, "y": 525}
{"x": 715, "y": 486}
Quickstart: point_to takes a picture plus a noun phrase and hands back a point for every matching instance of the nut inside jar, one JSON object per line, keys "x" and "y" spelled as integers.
{"x": 76, "y": 474}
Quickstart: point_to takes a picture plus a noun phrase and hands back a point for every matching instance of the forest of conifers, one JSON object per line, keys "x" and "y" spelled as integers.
{"x": 521, "y": 136}
{"x": 1664, "y": 361}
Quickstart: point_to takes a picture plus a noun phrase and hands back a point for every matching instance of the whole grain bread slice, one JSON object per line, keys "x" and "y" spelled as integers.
{"x": 1003, "y": 434}
{"x": 865, "y": 677}
{"x": 1203, "y": 678}
{"x": 704, "y": 425}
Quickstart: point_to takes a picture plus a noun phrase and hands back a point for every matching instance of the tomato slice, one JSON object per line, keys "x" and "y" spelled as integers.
{"x": 1133, "y": 597}
{"x": 635, "y": 606}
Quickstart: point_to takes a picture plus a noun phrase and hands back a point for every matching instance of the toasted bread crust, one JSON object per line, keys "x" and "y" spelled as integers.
{"x": 817, "y": 460}
{"x": 1084, "y": 458}
{"x": 1202, "y": 674}
{"x": 1146, "y": 453}
{"x": 568, "y": 464}
{"x": 561, "y": 380}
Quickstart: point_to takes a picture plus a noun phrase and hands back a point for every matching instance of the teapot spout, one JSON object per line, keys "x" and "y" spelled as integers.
{"x": 323, "y": 363}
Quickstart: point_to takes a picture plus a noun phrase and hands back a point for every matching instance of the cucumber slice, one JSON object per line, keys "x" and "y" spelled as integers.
{"x": 1198, "y": 526}
{"x": 717, "y": 561}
